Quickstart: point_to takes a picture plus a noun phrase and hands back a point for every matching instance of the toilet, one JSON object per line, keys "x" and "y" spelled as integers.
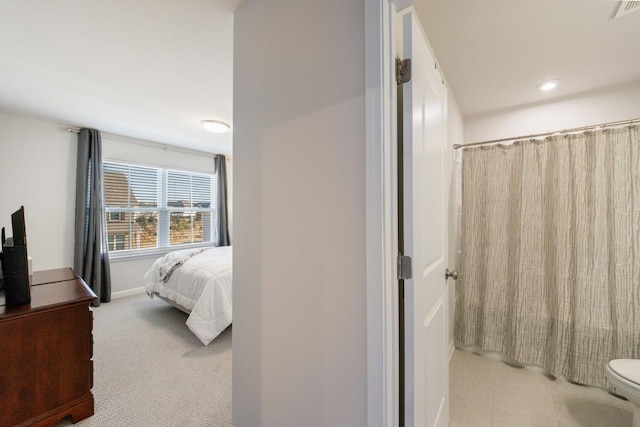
{"x": 624, "y": 375}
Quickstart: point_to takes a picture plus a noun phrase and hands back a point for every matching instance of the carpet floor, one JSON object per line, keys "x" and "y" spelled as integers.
{"x": 150, "y": 370}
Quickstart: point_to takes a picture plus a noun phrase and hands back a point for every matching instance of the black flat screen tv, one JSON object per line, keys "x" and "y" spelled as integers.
{"x": 15, "y": 269}
{"x": 19, "y": 232}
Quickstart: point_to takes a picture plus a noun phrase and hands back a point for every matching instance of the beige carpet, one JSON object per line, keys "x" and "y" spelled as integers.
{"x": 150, "y": 370}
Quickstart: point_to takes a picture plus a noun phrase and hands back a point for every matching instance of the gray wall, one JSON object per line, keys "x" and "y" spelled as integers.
{"x": 299, "y": 332}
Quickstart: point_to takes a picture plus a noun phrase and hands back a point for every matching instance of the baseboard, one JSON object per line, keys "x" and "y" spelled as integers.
{"x": 127, "y": 293}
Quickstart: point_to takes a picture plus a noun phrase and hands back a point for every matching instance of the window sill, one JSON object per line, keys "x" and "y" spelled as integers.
{"x": 123, "y": 256}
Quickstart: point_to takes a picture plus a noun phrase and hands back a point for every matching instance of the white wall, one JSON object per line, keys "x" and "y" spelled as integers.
{"x": 150, "y": 153}
{"x": 127, "y": 274}
{"x": 299, "y": 331}
{"x": 608, "y": 104}
{"x": 38, "y": 170}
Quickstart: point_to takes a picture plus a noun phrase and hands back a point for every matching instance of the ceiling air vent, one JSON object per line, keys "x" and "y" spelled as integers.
{"x": 625, "y": 8}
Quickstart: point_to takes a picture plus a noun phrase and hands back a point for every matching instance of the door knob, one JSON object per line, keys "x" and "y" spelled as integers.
{"x": 452, "y": 274}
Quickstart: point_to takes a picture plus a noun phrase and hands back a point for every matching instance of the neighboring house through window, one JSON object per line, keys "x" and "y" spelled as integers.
{"x": 116, "y": 242}
{"x": 115, "y": 216}
{"x": 151, "y": 207}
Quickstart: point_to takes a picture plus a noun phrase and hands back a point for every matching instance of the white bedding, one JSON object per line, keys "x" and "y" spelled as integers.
{"x": 202, "y": 287}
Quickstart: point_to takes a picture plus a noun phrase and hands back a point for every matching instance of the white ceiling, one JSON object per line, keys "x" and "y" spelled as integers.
{"x": 494, "y": 52}
{"x": 154, "y": 69}
{"x": 146, "y": 68}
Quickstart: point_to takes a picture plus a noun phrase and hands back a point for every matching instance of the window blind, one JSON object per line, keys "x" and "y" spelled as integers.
{"x": 151, "y": 207}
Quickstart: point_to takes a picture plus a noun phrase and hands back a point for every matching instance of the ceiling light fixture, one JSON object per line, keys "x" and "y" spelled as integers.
{"x": 215, "y": 126}
{"x": 547, "y": 86}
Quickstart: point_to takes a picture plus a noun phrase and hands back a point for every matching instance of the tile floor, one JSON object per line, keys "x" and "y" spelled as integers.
{"x": 488, "y": 393}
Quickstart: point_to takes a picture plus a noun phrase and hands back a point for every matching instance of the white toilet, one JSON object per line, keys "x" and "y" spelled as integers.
{"x": 624, "y": 375}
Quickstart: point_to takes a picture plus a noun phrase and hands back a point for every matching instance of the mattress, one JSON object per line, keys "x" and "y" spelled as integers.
{"x": 198, "y": 282}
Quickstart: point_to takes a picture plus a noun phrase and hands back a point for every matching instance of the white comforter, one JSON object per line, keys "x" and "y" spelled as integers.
{"x": 200, "y": 286}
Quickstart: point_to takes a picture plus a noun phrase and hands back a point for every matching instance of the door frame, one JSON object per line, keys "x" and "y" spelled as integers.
{"x": 381, "y": 212}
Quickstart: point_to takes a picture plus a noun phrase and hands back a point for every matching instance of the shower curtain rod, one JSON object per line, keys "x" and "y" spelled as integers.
{"x": 538, "y": 135}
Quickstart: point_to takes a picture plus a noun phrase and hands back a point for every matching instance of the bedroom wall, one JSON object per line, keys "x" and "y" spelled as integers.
{"x": 127, "y": 274}
{"x": 38, "y": 170}
{"x": 299, "y": 335}
{"x": 607, "y": 104}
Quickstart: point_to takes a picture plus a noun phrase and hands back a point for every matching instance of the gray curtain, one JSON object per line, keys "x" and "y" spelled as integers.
{"x": 91, "y": 257}
{"x": 221, "y": 201}
{"x": 550, "y": 271}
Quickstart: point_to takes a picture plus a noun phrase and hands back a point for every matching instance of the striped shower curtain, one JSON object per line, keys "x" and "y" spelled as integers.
{"x": 550, "y": 263}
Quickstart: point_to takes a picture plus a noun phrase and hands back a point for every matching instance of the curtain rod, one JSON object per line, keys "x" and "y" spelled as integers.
{"x": 538, "y": 135}
{"x": 146, "y": 143}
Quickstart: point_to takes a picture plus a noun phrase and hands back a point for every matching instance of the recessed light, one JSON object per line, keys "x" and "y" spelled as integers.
{"x": 548, "y": 85}
{"x": 215, "y": 126}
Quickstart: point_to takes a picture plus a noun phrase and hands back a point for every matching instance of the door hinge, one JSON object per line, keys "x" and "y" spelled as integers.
{"x": 404, "y": 267}
{"x": 403, "y": 70}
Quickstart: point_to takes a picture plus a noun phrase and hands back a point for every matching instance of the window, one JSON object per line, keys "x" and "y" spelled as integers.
{"x": 116, "y": 242}
{"x": 115, "y": 216}
{"x": 151, "y": 207}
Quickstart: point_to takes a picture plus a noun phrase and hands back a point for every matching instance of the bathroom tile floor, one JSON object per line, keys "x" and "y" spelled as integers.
{"x": 485, "y": 392}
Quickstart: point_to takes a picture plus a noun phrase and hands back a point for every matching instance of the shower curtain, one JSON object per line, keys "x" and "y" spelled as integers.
{"x": 550, "y": 263}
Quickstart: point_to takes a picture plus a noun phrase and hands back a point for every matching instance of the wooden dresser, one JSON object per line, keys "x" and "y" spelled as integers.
{"x": 46, "y": 350}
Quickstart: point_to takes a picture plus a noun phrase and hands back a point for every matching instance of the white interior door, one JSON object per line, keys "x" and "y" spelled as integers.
{"x": 425, "y": 233}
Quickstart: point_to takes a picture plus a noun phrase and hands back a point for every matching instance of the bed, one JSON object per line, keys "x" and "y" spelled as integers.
{"x": 198, "y": 282}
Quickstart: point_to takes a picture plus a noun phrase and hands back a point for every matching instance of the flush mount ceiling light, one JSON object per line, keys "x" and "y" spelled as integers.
{"x": 548, "y": 85}
{"x": 215, "y": 126}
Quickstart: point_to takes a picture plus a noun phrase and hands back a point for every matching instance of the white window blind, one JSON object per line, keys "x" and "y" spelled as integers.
{"x": 190, "y": 203}
{"x": 151, "y": 207}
